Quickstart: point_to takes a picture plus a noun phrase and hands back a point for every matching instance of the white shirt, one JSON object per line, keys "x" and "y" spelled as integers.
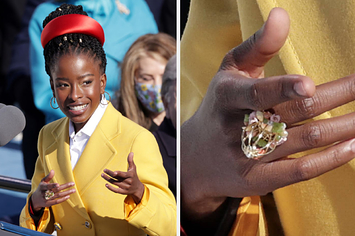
{"x": 79, "y": 140}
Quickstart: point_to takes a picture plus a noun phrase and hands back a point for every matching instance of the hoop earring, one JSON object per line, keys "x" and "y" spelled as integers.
{"x": 109, "y": 100}
{"x": 50, "y": 103}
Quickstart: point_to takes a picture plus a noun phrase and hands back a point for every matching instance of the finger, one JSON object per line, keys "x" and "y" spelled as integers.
{"x": 115, "y": 178}
{"x": 116, "y": 174}
{"x": 316, "y": 134}
{"x": 61, "y": 194}
{"x": 50, "y": 186}
{"x": 290, "y": 171}
{"x": 131, "y": 165}
{"x": 255, "y": 52}
{"x": 236, "y": 92}
{"x": 123, "y": 185}
{"x": 63, "y": 187}
{"x": 48, "y": 177}
{"x": 116, "y": 190}
{"x": 64, "y": 193}
{"x": 327, "y": 96}
{"x": 56, "y": 201}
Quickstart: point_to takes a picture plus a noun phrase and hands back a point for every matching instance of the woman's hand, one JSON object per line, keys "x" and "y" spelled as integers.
{"x": 128, "y": 182}
{"x": 61, "y": 193}
{"x": 213, "y": 165}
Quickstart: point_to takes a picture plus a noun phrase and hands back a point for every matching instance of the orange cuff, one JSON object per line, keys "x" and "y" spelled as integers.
{"x": 131, "y": 208}
{"x": 247, "y": 222}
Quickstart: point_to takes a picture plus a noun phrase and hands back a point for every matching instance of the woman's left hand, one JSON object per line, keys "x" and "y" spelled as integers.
{"x": 128, "y": 182}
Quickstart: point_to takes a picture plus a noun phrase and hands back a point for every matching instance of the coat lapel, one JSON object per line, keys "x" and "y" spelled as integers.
{"x": 58, "y": 159}
{"x": 99, "y": 151}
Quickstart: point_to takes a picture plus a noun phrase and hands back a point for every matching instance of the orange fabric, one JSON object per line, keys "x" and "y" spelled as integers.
{"x": 247, "y": 221}
{"x": 41, "y": 224}
{"x": 131, "y": 208}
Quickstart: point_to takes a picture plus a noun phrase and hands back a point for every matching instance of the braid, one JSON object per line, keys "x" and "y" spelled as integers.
{"x": 71, "y": 43}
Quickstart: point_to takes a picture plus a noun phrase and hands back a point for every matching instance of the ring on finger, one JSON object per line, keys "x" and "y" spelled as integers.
{"x": 263, "y": 131}
{"x": 48, "y": 194}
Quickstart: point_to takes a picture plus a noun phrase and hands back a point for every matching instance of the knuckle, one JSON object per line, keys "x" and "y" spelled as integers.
{"x": 350, "y": 86}
{"x": 335, "y": 156}
{"x": 306, "y": 107}
{"x": 222, "y": 85}
{"x": 303, "y": 170}
{"x": 284, "y": 88}
{"x": 254, "y": 97}
{"x": 245, "y": 47}
{"x": 312, "y": 135}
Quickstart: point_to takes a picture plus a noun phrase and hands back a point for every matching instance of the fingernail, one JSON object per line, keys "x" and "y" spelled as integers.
{"x": 352, "y": 145}
{"x": 299, "y": 89}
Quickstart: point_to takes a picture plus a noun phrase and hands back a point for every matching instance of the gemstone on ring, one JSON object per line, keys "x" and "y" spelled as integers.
{"x": 262, "y": 132}
{"x": 48, "y": 194}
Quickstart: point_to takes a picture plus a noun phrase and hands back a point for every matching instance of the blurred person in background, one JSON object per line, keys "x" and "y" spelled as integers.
{"x": 142, "y": 71}
{"x": 164, "y": 12}
{"x": 20, "y": 88}
{"x": 166, "y": 132}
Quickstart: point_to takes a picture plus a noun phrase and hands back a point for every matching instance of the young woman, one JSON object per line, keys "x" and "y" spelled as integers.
{"x": 84, "y": 184}
{"x": 142, "y": 71}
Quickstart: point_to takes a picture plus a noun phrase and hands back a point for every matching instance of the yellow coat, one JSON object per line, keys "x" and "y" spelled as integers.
{"x": 321, "y": 45}
{"x": 93, "y": 209}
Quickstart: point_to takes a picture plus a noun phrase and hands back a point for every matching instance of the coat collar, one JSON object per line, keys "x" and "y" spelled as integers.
{"x": 98, "y": 152}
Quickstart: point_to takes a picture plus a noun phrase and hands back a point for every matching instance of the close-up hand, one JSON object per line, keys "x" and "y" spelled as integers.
{"x": 60, "y": 193}
{"x": 213, "y": 165}
{"x": 127, "y": 183}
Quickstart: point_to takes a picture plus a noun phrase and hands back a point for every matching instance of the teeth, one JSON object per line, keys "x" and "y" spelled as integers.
{"x": 77, "y": 108}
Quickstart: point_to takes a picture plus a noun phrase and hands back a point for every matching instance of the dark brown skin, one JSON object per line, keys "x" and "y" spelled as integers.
{"x": 76, "y": 80}
{"x": 213, "y": 166}
{"x": 127, "y": 182}
{"x": 61, "y": 193}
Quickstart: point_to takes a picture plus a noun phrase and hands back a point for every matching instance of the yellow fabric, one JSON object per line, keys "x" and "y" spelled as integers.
{"x": 131, "y": 208}
{"x": 29, "y": 223}
{"x": 321, "y": 46}
{"x": 247, "y": 222}
{"x": 113, "y": 139}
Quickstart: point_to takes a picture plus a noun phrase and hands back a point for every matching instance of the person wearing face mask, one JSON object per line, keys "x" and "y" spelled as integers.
{"x": 166, "y": 133}
{"x": 142, "y": 70}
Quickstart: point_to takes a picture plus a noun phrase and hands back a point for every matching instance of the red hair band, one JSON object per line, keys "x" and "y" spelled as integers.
{"x": 72, "y": 23}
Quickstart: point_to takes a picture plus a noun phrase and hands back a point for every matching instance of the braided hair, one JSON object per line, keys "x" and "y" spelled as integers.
{"x": 71, "y": 43}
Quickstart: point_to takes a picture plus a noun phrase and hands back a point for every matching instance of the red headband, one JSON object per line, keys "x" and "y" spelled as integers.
{"x": 72, "y": 23}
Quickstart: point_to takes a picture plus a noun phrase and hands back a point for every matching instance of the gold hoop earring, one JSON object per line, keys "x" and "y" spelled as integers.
{"x": 109, "y": 100}
{"x": 50, "y": 103}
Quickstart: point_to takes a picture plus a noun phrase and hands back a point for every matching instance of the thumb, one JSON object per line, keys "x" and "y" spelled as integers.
{"x": 48, "y": 177}
{"x": 131, "y": 164}
{"x": 256, "y": 51}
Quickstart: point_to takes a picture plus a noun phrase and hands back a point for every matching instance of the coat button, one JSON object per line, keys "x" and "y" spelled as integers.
{"x": 87, "y": 225}
{"x": 57, "y": 226}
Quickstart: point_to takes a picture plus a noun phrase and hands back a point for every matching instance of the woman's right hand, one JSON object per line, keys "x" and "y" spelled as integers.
{"x": 61, "y": 193}
{"x": 213, "y": 165}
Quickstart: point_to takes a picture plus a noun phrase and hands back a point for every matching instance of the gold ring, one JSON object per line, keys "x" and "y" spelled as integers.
{"x": 48, "y": 194}
{"x": 262, "y": 132}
